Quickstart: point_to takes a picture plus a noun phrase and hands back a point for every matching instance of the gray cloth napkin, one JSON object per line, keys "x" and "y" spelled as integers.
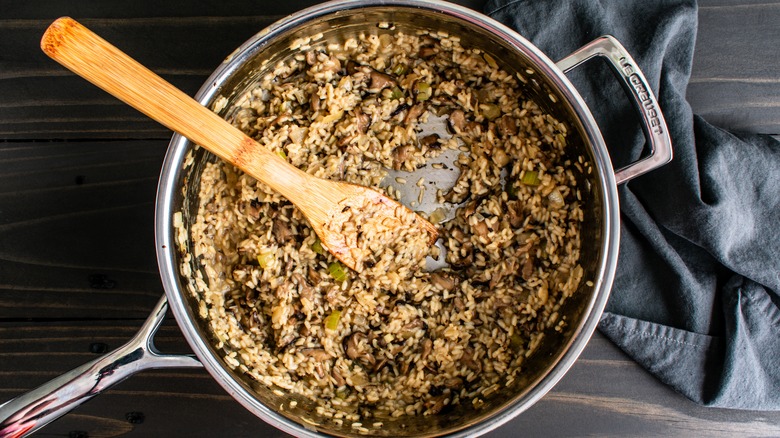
{"x": 697, "y": 291}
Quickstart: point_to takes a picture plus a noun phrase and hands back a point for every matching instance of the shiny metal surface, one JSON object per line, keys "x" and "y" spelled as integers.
{"x": 337, "y": 21}
{"x": 634, "y": 82}
{"x": 31, "y": 411}
{"x": 545, "y": 82}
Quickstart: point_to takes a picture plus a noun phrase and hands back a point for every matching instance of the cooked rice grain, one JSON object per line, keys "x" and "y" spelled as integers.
{"x": 400, "y": 340}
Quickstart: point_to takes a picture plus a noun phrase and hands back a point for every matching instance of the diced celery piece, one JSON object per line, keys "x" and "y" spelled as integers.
{"x": 337, "y": 272}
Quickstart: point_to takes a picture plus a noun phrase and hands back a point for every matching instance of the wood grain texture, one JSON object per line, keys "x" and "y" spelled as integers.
{"x": 76, "y": 223}
{"x": 77, "y": 265}
{"x": 733, "y": 82}
{"x": 40, "y": 99}
{"x": 103, "y": 64}
{"x": 190, "y": 402}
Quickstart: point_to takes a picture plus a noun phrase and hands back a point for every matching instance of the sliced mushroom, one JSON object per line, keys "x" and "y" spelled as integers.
{"x": 468, "y": 210}
{"x": 462, "y": 185}
{"x": 284, "y": 118}
{"x": 346, "y": 140}
{"x": 304, "y": 288}
{"x": 485, "y": 95}
{"x": 414, "y": 113}
{"x": 252, "y": 210}
{"x": 379, "y": 365}
{"x": 284, "y": 339}
{"x": 314, "y": 277}
{"x": 430, "y": 141}
{"x": 506, "y": 125}
{"x": 352, "y": 67}
{"x": 477, "y": 276}
{"x": 245, "y": 117}
{"x": 470, "y": 362}
{"x": 406, "y": 365}
{"x": 318, "y": 354}
{"x": 529, "y": 243}
{"x": 362, "y": 121}
{"x": 506, "y": 268}
{"x": 457, "y": 121}
{"x": 426, "y": 52}
{"x": 435, "y": 404}
{"x": 281, "y": 230}
{"x": 314, "y": 102}
{"x": 445, "y": 281}
{"x": 481, "y": 229}
{"x": 333, "y": 294}
{"x": 401, "y": 154}
{"x": 453, "y": 383}
{"x": 351, "y": 345}
{"x": 380, "y": 81}
{"x": 410, "y": 329}
{"x": 337, "y": 378}
{"x": 515, "y": 213}
{"x": 356, "y": 348}
{"x": 427, "y": 346}
{"x": 458, "y": 304}
{"x": 528, "y": 268}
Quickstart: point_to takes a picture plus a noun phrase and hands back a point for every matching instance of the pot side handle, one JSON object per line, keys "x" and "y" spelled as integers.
{"x": 634, "y": 82}
{"x": 27, "y": 413}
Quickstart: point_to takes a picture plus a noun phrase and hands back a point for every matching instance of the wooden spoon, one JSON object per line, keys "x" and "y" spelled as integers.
{"x": 91, "y": 57}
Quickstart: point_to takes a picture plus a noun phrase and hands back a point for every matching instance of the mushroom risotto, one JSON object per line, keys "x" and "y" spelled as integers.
{"x": 397, "y": 339}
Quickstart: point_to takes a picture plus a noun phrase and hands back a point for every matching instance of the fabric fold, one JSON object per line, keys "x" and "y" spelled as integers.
{"x": 697, "y": 289}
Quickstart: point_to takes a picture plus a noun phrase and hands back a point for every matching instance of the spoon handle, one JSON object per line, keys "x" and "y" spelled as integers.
{"x": 96, "y": 60}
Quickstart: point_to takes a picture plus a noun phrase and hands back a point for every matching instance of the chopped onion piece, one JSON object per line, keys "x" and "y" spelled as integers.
{"x": 437, "y": 215}
{"x": 555, "y": 198}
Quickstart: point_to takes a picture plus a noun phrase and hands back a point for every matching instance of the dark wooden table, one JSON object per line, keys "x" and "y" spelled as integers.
{"x": 78, "y": 172}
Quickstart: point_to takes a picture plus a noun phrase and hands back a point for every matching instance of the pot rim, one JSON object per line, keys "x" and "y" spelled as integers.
{"x": 165, "y": 232}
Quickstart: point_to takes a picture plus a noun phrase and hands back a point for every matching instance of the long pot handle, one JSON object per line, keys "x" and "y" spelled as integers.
{"x": 27, "y": 413}
{"x": 634, "y": 82}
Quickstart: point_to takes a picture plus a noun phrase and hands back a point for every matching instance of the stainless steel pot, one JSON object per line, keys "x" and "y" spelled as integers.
{"x": 545, "y": 82}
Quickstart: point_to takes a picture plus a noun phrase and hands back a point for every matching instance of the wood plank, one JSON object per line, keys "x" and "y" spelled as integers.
{"x": 733, "y": 84}
{"x": 77, "y": 265}
{"x": 628, "y": 403}
{"x": 736, "y": 81}
{"x": 76, "y": 229}
{"x": 152, "y": 403}
{"x": 40, "y": 99}
{"x": 181, "y": 41}
{"x": 151, "y": 8}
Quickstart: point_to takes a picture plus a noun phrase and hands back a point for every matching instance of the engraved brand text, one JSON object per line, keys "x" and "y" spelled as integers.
{"x": 644, "y": 96}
